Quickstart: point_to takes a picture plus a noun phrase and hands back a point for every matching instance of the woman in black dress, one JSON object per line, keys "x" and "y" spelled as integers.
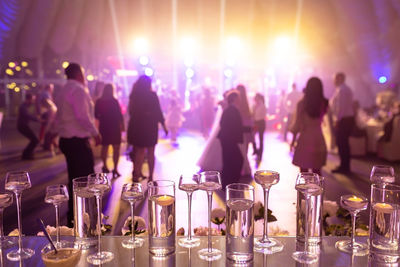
{"x": 145, "y": 114}
{"x": 111, "y": 124}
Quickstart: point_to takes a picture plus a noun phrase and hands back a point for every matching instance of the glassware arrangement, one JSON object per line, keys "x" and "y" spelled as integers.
{"x": 161, "y": 205}
{"x": 266, "y": 244}
{"x": 354, "y": 204}
{"x": 240, "y": 222}
{"x": 56, "y": 195}
{"x": 189, "y": 184}
{"x": 309, "y": 185}
{"x": 210, "y": 181}
{"x": 132, "y": 192}
{"x": 99, "y": 184}
{"x": 6, "y": 199}
{"x": 17, "y": 182}
{"x": 382, "y": 174}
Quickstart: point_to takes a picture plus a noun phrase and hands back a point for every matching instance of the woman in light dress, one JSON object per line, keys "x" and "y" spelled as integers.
{"x": 174, "y": 119}
{"x": 308, "y": 141}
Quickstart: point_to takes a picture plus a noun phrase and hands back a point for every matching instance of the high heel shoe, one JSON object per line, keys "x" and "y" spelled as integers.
{"x": 115, "y": 173}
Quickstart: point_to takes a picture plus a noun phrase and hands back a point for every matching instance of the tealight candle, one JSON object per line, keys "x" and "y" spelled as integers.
{"x": 383, "y": 207}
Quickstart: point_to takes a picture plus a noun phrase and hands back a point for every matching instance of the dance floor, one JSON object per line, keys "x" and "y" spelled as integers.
{"x": 171, "y": 162}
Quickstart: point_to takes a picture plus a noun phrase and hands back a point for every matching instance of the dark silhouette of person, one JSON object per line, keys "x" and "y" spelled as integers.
{"x": 145, "y": 115}
{"x": 230, "y": 136}
{"x": 24, "y": 117}
{"x": 75, "y": 125}
{"x": 111, "y": 123}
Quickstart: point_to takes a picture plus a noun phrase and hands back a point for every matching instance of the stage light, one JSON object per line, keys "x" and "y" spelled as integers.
{"x": 188, "y": 45}
{"x": 90, "y": 77}
{"x": 9, "y": 72}
{"x": 58, "y": 71}
{"x": 65, "y": 64}
{"x": 24, "y": 64}
{"x": 17, "y": 68}
{"x": 382, "y": 79}
{"x": 188, "y": 61}
{"x": 189, "y": 73}
{"x": 16, "y": 89}
{"x": 29, "y": 72}
{"x": 144, "y": 60}
{"x": 34, "y": 84}
{"x": 11, "y": 64}
{"x": 123, "y": 73}
{"x": 228, "y": 73}
{"x": 148, "y": 71}
{"x": 207, "y": 81}
{"x": 233, "y": 44}
{"x": 141, "y": 45}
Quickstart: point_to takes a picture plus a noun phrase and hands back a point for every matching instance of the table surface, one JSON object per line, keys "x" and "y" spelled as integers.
{"x": 329, "y": 255}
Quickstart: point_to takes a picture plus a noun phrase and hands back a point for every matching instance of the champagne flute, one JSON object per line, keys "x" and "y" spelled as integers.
{"x": 266, "y": 244}
{"x": 382, "y": 174}
{"x": 17, "y": 182}
{"x": 354, "y": 204}
{"x": 309, "y": 185}
{"x": 210, "y": 181}
{"x": 6, "y": 199}
{"x": 189, "y": 184}
{"x": 99, "y": 184}
{"x": 57, "y": 194}
{"x": 132, "y": 193}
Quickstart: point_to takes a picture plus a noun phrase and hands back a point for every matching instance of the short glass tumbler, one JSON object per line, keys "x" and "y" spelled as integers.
{"x": 239, "y": 222}
{"x": 384, "y": 224}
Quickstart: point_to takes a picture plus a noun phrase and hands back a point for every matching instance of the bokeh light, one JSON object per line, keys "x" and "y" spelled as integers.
{"x": 382, "y": 79}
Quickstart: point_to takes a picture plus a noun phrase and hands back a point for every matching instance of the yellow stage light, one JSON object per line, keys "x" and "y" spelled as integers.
{"x": 16, "y": 89}
{"x": 17, "y": 68}
{"x": 24, "y": 64}
{"x": 65, "y": 64}
{"x": 90, "y": 77}
{"x": 11, "y": 64}
{"x": 141, "y": 46}
{"x": 9, "y": 72}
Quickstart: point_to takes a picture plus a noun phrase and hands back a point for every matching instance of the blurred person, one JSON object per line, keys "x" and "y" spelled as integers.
{"x": 174, "y": 119}
{"x": 290, "y": 104}
{"x": 231, "y": 136}
{"x": 111, "y": 123}
{"x": 50, "y": 134}
{"x": 247, "y": 121}
{"x": 342, "y": 109}
{"x": 259, "y": 113}
{"x": 75, "y": 125}
{"x": 386, "y": 135}
{"x": 24, "y": 117}
{"x": 145, "y": 115}
{"x": 308, "y": 142}
{"x": 207, "y": 112}
{"x": 45, "y": 95}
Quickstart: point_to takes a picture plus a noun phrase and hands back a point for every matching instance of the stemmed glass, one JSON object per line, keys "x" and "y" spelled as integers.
{"x": 6, "y": 199}
{"x": 382, "y": 174}
{"x": 189, "y": 184}
{"x": 17, "y": 182}
{"x": 354, "y": 204}
{"x": 57, "y": 194}
{"x": 210, "y": 181}
{"x": 266, "y": 244}
{"x": 309, "y": 185}
{"x": 132, "y": 193}
{"x": 99, "y": 184}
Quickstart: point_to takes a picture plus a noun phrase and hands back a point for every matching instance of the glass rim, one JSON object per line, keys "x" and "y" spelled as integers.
{"x": 164, "y": 183}
{"x": 56, "y": 185}
{"x": 355, "y": 195}
{"x": 245, "y": 187}
{"x": 382, "y": 166}
{"x": 80, "y": 179}
{"x": 17, "y": 172}
{"x": 269, "y": 171}
{"x": 210, "y": 173}
{"x": 133, "y": 184}
{"x": 189, "y": 175}
{"x": 388, "y": 187}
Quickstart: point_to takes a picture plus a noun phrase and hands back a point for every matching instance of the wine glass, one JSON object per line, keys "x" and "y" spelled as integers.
{"x": 57, "y": 194}
{"x": 189, "y": 184}
{"x": 17, "y": 182}
{"x": 382, "y": 174}
{"x": 354, "y": 204}
{"x": 132, "y": 193}
{"x": 6, "y": 199}
{"x": 309, "y": 185}
{"x": 210, "y": 181}
{"x": 266, "y": 244}
{"x": 99, "y": 184}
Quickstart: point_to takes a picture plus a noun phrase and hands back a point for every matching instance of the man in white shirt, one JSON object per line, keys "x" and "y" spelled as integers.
{"x": 75, "y": 125}
{"x": 342, "y": 109}
{"x": 290, "y": 104}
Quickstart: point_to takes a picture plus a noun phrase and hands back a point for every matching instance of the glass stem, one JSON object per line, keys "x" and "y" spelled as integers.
{"x": 307, "y": 199}
{"x": 189, "y": 216}
{"x": 353, "y": 231}
{"x": 209, "y": 195}
{"x": 98, "y": 200}
{"x": 57, "y": 223}
{"x": 18, "y": 198}
{"x": 1, "y": 226}
{"x": 266, "y": 195}
{"x": 133, "y": 221}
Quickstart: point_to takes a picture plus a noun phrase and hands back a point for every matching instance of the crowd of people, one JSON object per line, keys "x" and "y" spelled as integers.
{"x": 75, "y": 118}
